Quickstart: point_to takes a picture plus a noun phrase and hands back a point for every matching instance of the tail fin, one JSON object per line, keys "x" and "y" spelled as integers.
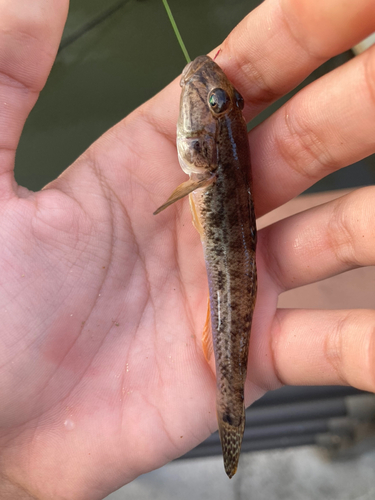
{"x": 231, "y": 440}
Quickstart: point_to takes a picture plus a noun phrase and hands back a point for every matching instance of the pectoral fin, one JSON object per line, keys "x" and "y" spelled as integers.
{"x": 183, "y": 190}
{"x": 196, "y": 222}
{"x": 208, "y": 347}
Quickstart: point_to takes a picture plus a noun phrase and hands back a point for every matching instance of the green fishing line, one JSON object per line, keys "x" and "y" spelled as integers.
{"x": 175, "y": 29}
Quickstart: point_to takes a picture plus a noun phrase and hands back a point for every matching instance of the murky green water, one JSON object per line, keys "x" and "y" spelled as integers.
{"x": 115, "y": 55}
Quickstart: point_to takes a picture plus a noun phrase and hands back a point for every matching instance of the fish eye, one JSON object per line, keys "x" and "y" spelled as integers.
{"x": 218, "y": 100}
{"x": 239, "y": 99}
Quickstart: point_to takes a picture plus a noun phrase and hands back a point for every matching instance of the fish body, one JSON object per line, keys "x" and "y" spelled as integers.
{"x": 213, "y": 149}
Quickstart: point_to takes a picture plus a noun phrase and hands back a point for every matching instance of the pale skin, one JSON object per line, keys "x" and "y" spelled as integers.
{"x": 102, "y": 374}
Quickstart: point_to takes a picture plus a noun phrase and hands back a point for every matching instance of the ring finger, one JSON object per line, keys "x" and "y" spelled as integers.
{"x": 321, "y": 242}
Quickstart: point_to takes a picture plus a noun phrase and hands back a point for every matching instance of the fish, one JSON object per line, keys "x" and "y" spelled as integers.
{"x": 213, "y": 150}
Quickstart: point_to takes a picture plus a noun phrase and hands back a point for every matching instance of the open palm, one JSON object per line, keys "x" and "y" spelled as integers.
{"x": 102, "y": 375}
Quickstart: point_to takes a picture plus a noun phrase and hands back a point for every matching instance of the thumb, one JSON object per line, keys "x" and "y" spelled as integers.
{"x": 30, "y": 32}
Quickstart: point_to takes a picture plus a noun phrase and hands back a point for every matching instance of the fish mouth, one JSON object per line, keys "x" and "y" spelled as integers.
{"x": 192, "y": 68}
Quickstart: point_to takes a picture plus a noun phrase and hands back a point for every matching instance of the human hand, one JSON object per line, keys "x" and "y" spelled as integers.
{"x": 102, "y": 373}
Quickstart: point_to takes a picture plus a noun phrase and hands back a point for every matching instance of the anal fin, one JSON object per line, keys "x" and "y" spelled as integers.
{"x": 196, "y": 222}
{"x": 207, "y": 343}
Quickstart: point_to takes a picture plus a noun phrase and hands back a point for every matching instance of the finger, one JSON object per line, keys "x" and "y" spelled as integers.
{"x": 321, "y": 242}
{"x": 324, "y": 347}
{"x": 326, "y": 126}
{"x": 282, "y": 41}
{"x": 274, "y": 48}
{"x": 29, "y": 37}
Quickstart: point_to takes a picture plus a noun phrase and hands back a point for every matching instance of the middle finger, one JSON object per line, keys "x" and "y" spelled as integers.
{"x": 326, "y": 126}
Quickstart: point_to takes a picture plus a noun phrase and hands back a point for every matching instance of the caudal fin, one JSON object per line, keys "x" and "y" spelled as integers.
{"x": 231, "y": 440}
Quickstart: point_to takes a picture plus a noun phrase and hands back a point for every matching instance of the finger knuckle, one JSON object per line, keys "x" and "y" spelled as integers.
{"x": 369, "y": 74}
{"x": 350, "y": 230}
{"x": 363, "y": 333}
{"x": 302, "y": 148}
{"x": 340, "y": 234}
{"x": 333, "y": 350}
{"x": 350, "y": 349}
{"x": 264, "y": 88}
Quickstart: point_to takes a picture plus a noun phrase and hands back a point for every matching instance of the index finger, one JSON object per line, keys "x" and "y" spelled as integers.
{"x": 282, "y": 41}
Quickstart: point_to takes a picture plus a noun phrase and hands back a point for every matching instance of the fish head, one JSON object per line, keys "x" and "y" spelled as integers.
{"x": 207, "y": 97}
